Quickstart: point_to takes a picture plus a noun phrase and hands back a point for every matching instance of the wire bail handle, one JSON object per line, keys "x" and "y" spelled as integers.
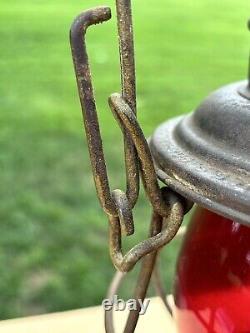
{"x": 168, "y": 207}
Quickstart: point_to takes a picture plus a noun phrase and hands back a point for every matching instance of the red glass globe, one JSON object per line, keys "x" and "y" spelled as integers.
{"x": 212, "y": 288}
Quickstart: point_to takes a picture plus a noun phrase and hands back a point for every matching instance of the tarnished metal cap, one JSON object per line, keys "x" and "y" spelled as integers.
{"x": 205, "y": 156}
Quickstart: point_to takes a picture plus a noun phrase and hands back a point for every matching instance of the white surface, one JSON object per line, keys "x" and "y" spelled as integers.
{"x": 90, "y": 320}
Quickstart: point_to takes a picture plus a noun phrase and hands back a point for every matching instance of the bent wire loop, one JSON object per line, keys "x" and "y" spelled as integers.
{"x": 168, "y": 207}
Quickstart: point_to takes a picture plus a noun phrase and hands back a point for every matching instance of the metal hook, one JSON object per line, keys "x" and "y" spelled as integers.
{"x": 129, "y": 124}
{"x": 162, "y": 228}
{"x": 85, "y": 89}
{"x": 86, "y": 94}
{"x": 125, "y": 263}
{"x": 116, "y": 203}
{"x": 169, "y": 208}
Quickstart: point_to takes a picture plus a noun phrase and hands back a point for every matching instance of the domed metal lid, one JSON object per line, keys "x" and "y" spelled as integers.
{"x": 205, "y": 155}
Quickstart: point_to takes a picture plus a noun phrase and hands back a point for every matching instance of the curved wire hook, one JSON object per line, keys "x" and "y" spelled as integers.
{"x": 162, "y": 228}
{"x": 86, "y": 94}
{"x": 125, "y": 263}
{"x": 128, "y": 123}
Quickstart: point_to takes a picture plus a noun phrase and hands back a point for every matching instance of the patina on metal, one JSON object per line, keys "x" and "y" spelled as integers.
{"x": 128, "y": 85}
{"x": 205, "y": 155}
{"x": 168, "y": 207}
{"x": 161, "y": 232}
{"x": 85, "y": 89}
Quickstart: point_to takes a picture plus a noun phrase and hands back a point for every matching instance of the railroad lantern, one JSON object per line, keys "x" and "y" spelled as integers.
{"x": 205, "y": 156}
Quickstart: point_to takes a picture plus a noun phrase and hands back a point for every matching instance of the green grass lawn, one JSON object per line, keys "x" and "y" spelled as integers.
{"x": 53, "y": 234}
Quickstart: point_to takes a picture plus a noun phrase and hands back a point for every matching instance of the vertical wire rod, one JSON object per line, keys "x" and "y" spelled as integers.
{"x": 157, "y": 223}
{"x": 128, "y": 82}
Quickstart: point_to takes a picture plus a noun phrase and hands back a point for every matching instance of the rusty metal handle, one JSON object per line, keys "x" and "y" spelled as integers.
{"x": 129, "y": 124}
{"x": 160, "y": 227}
{"x": 125, "y": 263}
{"x": 110, "y": 201}
{"x": 168, "y": 207}
{"x": 85, "y": 88}
{"x": 86, "y": 94}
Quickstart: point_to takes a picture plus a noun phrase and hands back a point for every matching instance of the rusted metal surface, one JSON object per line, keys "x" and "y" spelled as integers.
{"x": 128, "y": 85}
{"x": 85, "y": 89}
{"x": 128, "y": 123}
{"x": 203, "y": 156}
{"x": 159, "y": 226}
{"x": 171, "y": 224}
{"x": 168, "y": 207}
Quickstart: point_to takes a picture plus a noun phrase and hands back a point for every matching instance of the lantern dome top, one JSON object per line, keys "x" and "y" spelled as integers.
{"x": 205, "y": 155}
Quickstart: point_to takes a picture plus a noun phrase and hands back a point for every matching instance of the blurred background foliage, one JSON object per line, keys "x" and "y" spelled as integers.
{"x": 53, "y": 234}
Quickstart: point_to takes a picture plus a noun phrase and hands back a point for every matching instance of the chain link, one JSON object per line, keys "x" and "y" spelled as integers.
{"x": 168, "y": 207}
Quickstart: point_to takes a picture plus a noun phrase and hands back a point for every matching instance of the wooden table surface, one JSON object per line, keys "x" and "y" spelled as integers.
{"x": 90, "y": 320}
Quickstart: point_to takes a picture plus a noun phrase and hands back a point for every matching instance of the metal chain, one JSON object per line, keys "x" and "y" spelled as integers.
{"x": 168, "y": 207}
{"x": 158, "y": 227}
